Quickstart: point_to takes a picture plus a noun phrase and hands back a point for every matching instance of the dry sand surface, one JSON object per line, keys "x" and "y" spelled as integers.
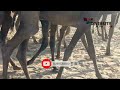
{"x": 109, "y": 66}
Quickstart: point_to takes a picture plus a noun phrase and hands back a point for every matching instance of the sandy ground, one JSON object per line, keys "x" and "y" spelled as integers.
{"x": 109, "y": 66}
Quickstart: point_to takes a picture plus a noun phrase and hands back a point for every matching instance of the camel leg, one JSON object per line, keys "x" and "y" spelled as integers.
{"x": 45, "y": 28}
{"x": 15, "y": 67}
{"x": 111, "y": 30}
{"x": 21, "y": 56}
{"x": 78, "y": 34}
{"x": 57, "y": 34}
{"x": 64, "y": 41}
{"x": 98, "y": 31}
{"x": 52, "y": 42}
{"x": 91, "y": 51}
{"x": 62, "y": 33}
{"x": 25, "y": 30}
{"x": 84, "y": 41}
{"x": 4, "y": 31}
{"x": 117, "y": 19}
{"x": 7, "y": 51}
{"x": 5, "y": 27}
{"x": 104, "y": 34}
{"x": 66, "y": 33}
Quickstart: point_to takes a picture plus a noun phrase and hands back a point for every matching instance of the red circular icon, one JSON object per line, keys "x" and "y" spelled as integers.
{"x": 46, "y": 63}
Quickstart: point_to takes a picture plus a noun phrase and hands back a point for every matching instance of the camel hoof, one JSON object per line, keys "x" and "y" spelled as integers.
{"x": 58, "y": 77}
{"x": 29, "y": 62}
{"x": 57, "y": 57}
{"x": 104, "y": 40}
{"x": 108, "y": 54}
{"x": 55, "y": 70}
{"x": 99, "y": 76}
{"x": 16, "y": 68}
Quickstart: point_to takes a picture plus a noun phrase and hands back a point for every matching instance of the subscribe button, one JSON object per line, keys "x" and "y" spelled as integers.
{"x": 47, "y": 63}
